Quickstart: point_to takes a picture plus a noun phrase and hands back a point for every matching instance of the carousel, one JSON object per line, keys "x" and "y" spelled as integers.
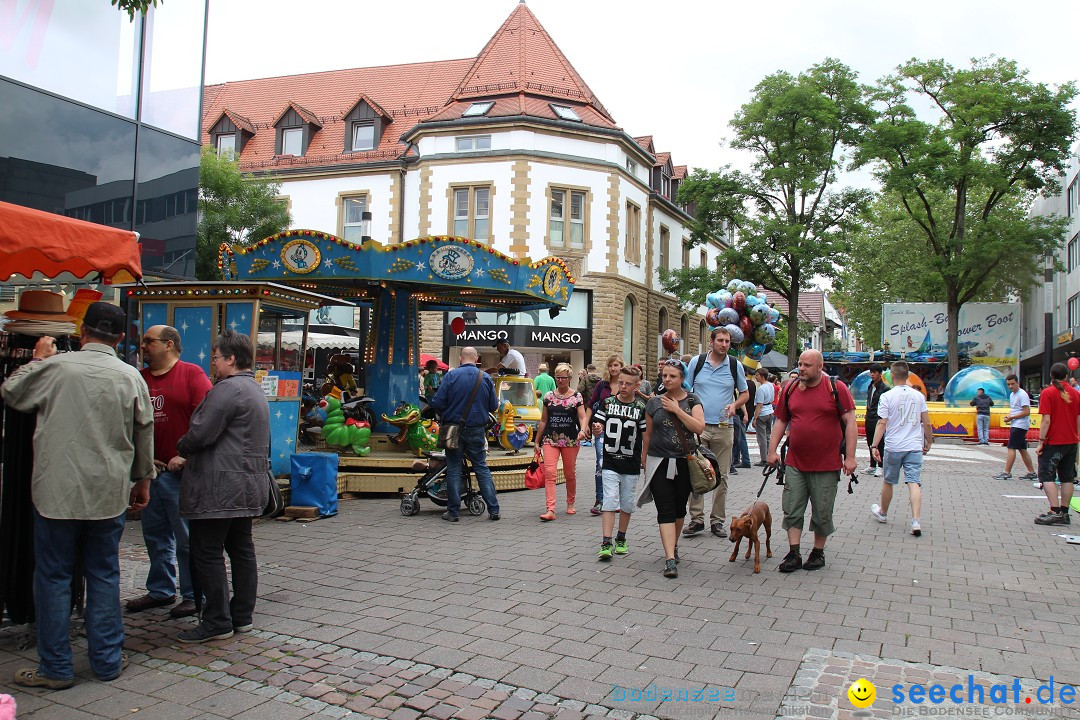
{"x": 379, "y": 442}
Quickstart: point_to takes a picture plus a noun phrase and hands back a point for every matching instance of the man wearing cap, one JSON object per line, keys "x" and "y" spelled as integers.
{"x": 93, "y": 460}
{"x": 176, "y": 389}
{"x": 511, "y": 361}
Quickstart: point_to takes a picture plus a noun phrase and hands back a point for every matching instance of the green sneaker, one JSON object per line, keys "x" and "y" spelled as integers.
{"x": 620, "y": 547}
{"x": 605, "y": 552}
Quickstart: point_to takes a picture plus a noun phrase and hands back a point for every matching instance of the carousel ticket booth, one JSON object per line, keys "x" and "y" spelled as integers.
{"x": 393, "y": 284}
{"x": 200, "y": 311}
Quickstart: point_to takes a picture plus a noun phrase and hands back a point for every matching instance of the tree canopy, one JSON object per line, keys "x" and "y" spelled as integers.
{"x": 233, "y": 208}
{"x": 792, "y": 221}
{"x": 964, "y": 179}
{"x": 133, "y": 7}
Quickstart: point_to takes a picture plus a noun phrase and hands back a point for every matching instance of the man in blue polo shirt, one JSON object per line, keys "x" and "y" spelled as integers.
{"x": 718, "y": 381}
{"x": 452, "y": 402}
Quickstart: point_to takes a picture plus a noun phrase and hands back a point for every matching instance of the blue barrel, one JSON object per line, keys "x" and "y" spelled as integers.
{"x": 313, "y": 482}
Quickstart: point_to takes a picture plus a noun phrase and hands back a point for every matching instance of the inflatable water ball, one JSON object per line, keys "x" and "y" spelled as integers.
{"x": 670, "y": 341}
{"x": 965, "y": 384}
{"x": 737, "y": 336}
{"x": 859, "y": 387}
{"x": 759, "y": 314}
{"x": 913, "y": 380}
{"x": 729, "y": 316}
{"x": 712, "y": 317}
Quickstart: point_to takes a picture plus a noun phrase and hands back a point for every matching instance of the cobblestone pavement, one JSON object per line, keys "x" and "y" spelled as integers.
{"x": 371, "y": 614}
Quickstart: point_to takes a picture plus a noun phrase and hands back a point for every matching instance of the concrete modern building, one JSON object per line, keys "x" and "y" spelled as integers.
{"x": 1064, "y": 300}
{"x": 511, "y": 147}
{"x": 100, "y": 118}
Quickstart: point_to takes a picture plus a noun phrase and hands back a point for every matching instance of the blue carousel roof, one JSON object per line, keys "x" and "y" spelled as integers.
{"x": 446, "y": 272}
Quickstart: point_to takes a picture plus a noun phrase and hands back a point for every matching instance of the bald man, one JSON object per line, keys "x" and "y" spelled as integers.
{"x": 818, "y": 414}
{"x": 176, "y": 389}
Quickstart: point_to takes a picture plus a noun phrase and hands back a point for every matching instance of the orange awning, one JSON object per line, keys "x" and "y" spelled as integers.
{"x": 35, "y": 243}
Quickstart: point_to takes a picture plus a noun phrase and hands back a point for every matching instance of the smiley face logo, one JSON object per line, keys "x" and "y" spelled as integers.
{"x": 862, "y": 693}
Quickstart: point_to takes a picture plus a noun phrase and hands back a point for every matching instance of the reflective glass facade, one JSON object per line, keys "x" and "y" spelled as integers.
{"x": 101, "y": 118}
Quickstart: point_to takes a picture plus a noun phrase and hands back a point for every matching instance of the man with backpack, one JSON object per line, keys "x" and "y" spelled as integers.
{"x": 818, "y": 415}
{"x": 717, "y": 379}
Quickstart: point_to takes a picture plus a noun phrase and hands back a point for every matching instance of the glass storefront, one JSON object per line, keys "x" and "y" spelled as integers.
{"x": 72, "y": 138}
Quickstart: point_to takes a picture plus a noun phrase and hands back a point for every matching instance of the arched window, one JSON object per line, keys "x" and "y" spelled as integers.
{"x": 628, "y": 330}
{"x": 703, "y": 341}
{"x": 661, "y": 326}
{"x": 684, "y": 334}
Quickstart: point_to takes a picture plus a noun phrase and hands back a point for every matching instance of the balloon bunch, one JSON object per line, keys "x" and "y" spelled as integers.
{"x": 746, "y": 314}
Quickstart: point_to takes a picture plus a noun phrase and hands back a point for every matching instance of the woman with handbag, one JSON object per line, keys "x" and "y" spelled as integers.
{"x": 672, "y": 423}
{"x": 563, "y": 425}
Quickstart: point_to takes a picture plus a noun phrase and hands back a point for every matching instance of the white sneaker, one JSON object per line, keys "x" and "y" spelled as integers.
{"x": 878, "y": 472}
{"x": 916, "y": 528}
{"x": 875, "y": 512}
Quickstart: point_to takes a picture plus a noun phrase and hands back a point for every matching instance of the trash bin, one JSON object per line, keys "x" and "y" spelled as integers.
{"x": 313, "y": 482}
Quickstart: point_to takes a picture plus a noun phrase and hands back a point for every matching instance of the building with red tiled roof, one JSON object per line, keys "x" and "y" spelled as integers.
{"x": 511, "y": 147}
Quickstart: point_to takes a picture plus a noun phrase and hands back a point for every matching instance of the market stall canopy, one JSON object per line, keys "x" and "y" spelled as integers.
{"x": 44, "y": 246}
{"x": 424, "y": 358}
{"x": 442, "y": 272}
{"x": 292, "y": 339}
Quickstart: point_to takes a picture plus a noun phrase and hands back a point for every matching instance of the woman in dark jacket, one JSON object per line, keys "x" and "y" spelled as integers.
{"x": 225, "y": 460}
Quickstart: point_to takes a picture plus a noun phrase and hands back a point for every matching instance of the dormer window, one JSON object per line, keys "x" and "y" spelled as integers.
{"x": 295, "y": 128}
{"x": 478, "y": 109}
{"x": 226, "y": 145}
{"x": 565, "y": 113}
{"x": 365, "y": 123}
{"x": 363, "y": 136}
{"x": 292, "y": 141}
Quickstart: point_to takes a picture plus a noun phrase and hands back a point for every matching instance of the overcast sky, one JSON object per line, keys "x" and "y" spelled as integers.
{"x": 675, "y": 70}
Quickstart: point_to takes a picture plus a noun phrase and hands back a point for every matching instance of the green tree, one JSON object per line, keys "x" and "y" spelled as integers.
{"x": 792, "y": 220}
{"x": 964, "y": 178}
{"x": 233, "y": 208}
{"x": 133, "y": 7}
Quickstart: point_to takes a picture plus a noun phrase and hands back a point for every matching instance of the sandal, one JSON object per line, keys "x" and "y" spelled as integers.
{"x": 548, "y": 516}
{"x": 571, "y": 510}
{"x": 30, "y": 677}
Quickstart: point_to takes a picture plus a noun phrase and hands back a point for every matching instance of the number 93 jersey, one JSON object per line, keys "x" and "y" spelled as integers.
{"x": 624, "y": 427}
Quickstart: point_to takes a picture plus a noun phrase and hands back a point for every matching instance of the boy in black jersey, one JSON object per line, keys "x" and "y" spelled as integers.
{"x": 619, "y": 425}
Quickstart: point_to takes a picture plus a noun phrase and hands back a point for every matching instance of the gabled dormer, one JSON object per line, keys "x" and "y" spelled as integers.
{"x": 295, "y": 127}
{"x": 365, "y": 122}
{"x": 662, "y": 173}
{"x": 230, "y": 133}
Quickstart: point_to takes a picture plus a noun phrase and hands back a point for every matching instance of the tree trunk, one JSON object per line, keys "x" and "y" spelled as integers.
{"x": 953, "y": 311}
{"x": 793, "y": 349}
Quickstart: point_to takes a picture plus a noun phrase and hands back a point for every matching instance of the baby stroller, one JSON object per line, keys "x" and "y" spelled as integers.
{"x": 432, "y": 485}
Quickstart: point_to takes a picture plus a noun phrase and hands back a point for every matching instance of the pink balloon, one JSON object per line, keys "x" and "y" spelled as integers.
{"x": 1073, "y": 363}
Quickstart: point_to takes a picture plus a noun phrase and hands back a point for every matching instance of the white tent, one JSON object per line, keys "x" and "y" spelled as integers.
{"x": 291, "y": 341}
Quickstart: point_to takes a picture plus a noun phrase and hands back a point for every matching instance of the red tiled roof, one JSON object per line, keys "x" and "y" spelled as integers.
{"x": 238, "y": 120}
{"x": 371, "y": 103}
{"x": 308, "y": 116}
{"x": 679, "y": 173}
{"x": 407, "y": 93}
{"x": 522, "y": 58}
{"x": 518, "y": 105}
{"x": 646, "y": 143}
{"x": 811, "y": 305}
{"x": 662, "y": 158}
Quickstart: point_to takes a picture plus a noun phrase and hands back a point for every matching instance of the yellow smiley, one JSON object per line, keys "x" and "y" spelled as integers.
{"x": 862, "y": 693}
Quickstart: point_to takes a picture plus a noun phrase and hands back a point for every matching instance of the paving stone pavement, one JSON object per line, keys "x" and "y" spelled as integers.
{"x": 373, "y": 615}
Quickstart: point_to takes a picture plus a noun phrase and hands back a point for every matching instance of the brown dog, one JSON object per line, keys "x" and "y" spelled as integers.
{"x": 746, "y": 526}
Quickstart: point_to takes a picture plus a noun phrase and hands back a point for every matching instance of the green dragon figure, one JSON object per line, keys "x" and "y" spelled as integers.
{"x": 419, "y": 435}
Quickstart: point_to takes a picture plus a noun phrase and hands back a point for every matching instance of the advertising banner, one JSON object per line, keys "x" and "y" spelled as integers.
{"x": 989, "y": 332}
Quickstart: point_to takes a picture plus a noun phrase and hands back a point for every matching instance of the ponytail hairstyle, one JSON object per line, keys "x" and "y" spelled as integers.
{"x": 1058, "y": 373}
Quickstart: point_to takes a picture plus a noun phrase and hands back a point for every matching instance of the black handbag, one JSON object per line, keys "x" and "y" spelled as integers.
{"x": 275, "y": 502}
{"x": 450, "y": 433}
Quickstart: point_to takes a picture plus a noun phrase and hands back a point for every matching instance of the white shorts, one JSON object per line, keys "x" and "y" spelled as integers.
{"x": 619, "y": 491}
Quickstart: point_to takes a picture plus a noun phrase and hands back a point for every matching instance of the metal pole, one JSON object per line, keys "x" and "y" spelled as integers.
{"x": 1048, "y": 318}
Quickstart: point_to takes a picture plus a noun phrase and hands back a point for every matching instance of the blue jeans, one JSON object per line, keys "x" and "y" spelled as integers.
{"x": 474, "y": 445}
{"x": 982, "y": 422}
{"x": 910, "y": 461}
{"x": 598, "y": 445}
{"x": 740, "y": 453}
{"x": 57, "y": 544}
{"x": 166, "y": 536}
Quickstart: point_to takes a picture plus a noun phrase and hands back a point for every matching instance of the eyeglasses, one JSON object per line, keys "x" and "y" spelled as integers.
{"x": 562, "y": 377}
{"x": 217, "y": 357}
{"x": 148, "y": 340}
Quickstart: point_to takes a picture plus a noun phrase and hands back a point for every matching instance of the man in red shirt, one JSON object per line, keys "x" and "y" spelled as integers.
{"x": 1059, "y": 406}
{"x": 176, "y": 389}
{"x": 816, "y": 429}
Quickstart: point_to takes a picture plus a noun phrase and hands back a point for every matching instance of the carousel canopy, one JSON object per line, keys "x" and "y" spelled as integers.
{"x": 292, "y": 339}
{"x": 444, "y": 272}
{"x": 44, "y": 246}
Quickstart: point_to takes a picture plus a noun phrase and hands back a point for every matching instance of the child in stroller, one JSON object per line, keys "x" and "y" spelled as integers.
{"x": 432, "y": 485}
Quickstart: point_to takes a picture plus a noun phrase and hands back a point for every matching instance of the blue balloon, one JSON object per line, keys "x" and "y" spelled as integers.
{"x": 734, "y": 286}
{"x": 774, "y": 315}
{"x": 759, "y": 314}
{"x": 737, "y": 336}
{"x": 757, "y": 351}
{"x": 765, "y": 334}
{"x": 752, "y": 300}
{"x": 729, "y": 316}
{"x": 713, "y": 300}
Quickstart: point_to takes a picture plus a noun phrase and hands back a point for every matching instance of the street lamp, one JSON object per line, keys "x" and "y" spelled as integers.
{"x": 365, "y": 227}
